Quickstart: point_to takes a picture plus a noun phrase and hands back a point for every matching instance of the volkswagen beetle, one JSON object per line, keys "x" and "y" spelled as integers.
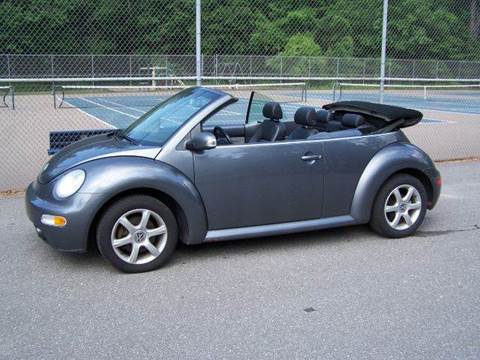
{"x": 194, "y": 169}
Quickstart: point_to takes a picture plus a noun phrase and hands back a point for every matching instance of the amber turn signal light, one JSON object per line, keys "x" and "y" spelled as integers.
{"x": 53, "y": 220}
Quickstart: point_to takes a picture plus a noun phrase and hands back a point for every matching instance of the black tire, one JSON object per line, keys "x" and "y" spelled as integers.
{"x": 131, "y": 204}
{"x": 379, "y": 222}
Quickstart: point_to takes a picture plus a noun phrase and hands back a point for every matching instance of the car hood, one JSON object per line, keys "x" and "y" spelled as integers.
{"x": 91, "y": 148}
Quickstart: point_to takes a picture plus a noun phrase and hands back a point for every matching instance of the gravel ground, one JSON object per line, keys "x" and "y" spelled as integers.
{"x": 336, "y": 294}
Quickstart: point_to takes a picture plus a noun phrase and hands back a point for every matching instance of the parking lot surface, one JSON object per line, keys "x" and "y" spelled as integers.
{"x": 336, "y": 294}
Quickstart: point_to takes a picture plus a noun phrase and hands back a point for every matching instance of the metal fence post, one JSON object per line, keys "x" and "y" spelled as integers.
{"x": 52, "y": 70}
{"x": 338, "y": 68}
{"x": 390, "y": 68}
{"x": 251, "y": 66}
{"x": 130, "y": 67}
{"x": 198, "y": 39}
{"x": 167, "y": 72}
{"x": 364, "y": 70}
{"x": 92, "y": 69}
{"x": 9, "y": 70}
{"x": 384, "y": 50}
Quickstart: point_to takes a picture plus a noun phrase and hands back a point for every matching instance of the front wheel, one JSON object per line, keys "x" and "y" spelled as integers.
{"x": 399, "y": 207}
{"x": 137, "y": 233}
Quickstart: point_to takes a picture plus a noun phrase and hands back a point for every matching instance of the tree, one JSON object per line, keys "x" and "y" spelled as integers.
{"x": 301, "y": 45}
{"x": 436, "y": 29}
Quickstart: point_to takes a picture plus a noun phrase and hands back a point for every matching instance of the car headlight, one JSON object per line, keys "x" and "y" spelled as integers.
{"x": 69, "y": 183}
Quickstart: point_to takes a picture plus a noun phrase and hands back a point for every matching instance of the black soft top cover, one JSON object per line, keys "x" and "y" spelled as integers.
{"x": 387, "y": 113}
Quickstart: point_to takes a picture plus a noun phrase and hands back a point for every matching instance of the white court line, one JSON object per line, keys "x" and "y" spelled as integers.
{"x": 96, "y": 118}
{"x": 435, "y": 122}
{"x": 230, "y": 112}
{"x": 450, "y": 111}
{"x": 125, "y": 106}
{"x": 121, "y": 112}
{"x": 109, "y": 108}
{"x": 292, "y": 106}
{"x": 91, "y": 116}
{"x": 143, "y": 112}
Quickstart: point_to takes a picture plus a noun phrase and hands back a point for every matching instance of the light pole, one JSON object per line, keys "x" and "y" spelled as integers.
{"x": 198, "y": 39}
{"x": 384, "y": 50}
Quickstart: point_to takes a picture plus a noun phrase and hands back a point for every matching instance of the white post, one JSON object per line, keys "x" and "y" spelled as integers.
{"x": 198, "y": 37}
{"x": 384, "y": 49}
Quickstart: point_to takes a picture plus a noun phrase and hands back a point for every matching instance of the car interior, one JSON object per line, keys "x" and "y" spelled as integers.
{"x": 308, "y": 124}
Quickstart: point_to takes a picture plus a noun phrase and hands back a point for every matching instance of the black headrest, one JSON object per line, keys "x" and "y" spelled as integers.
{"x": 305, "y": 116}
{"x": 323, "y": 116}
{"x": 272, "y": 110}
{"x": 352, "y": 120}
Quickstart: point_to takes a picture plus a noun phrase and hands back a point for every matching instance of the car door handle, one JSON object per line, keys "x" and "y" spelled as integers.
{"x": 312, "y": 157}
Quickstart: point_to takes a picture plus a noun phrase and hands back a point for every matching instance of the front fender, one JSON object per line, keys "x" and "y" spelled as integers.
{"x": 109, "y": 177}
{"x": 386, "y": 162}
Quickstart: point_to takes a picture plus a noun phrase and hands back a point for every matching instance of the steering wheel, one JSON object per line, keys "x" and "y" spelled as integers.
{"x": 222, "y": 137}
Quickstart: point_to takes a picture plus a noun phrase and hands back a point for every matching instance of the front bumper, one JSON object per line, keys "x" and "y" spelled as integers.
{"x": 436, "y": 182}
{"x": 77, "y": 209}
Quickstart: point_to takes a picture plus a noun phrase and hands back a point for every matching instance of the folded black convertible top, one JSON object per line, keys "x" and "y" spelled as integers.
{"x": 388, "y": 113}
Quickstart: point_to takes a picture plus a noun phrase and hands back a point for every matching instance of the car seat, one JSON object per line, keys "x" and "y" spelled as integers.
{"x": 306, "y": 118}
{"x": 270, "y": 129}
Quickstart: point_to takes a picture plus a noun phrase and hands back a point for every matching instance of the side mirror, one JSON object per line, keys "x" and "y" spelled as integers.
{"x": 202, "y": 141}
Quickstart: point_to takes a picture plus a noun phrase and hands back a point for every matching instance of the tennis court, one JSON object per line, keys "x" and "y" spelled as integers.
{"x": 119, "y": 107}
{"x": 120, "y": 110}
{"x": 464, "y": 99}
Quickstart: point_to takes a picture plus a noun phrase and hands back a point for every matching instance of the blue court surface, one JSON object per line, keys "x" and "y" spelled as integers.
{"x": 121, "y": 111}
{"x": 464, "y": 102}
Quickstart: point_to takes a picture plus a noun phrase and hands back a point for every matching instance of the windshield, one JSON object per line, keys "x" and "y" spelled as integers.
{"x": 157, "y": 125}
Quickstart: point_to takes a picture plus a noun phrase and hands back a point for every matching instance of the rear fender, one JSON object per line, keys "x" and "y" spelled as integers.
{"x": 386, "y": 162}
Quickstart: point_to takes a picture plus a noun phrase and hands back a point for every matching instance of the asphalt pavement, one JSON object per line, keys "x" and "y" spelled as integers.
{"x": 336, "y": 294}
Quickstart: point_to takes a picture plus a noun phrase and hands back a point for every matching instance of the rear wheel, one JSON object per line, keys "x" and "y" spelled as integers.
{"x": 137, "y": 233}
{"x": 399, "y": 207}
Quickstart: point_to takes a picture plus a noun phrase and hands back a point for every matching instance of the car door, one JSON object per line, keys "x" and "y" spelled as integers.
{"x": 257, "y": 184}
{"x": 260, "y": 183}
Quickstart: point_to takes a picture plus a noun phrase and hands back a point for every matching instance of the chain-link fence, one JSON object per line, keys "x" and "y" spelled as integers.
{"x": 49, "y": 50}
{"x": 22, "y": 66}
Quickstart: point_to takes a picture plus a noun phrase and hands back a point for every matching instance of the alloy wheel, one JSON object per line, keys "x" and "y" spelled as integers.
{"x": 402, "y": 207}
{"x": 139, "y": 236}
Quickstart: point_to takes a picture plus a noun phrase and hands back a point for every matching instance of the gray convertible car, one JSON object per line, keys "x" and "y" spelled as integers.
{"x": 186, "y": 172}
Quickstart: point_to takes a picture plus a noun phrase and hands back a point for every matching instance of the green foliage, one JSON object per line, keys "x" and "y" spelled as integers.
{"x": 435, "y": 29}
{"x": 301, "y": 45}
{"x": 427, "y": 25}
{"x": 267, "y": 38}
